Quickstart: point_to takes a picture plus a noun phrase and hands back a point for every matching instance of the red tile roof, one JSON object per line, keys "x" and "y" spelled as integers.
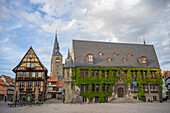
{"x": 59, "y": 83}
{"x": 52, "y": 78}
{"x": 166, "y": 74}
{"x": 3, "y": 83}
{"x": 9, "y": 80}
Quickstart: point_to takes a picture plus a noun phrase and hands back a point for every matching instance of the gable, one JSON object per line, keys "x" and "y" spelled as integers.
{"x": 30, "y": 61}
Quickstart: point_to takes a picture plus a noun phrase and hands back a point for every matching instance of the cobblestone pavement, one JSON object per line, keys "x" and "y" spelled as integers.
{"x": 90, "y": 108}
{"x": 54, "y": 101}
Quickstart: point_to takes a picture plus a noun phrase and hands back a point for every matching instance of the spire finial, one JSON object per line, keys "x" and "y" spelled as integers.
{"x": 56, "y": 44}
{"x": 144, "y": 41}
{"x": 68, "y": 56}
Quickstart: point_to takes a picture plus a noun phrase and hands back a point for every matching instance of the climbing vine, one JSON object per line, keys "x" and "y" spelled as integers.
{"x": 111, "y": 80}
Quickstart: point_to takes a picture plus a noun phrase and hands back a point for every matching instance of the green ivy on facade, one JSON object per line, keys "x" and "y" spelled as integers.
{"x": 111, "y": 80}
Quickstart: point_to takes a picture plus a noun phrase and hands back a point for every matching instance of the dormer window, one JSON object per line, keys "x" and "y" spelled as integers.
{"x": 124, "y": 59}
{"x": 129, "y": 54}
{"x": 100, "y": 53}
{"x": 142, "y": 59}
{"x": 90, "y": 57}
{"x": 114, "y": 54}
{"x": 109, "y": 59}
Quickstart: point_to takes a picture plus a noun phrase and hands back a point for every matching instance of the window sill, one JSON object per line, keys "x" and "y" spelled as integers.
{"x": 83, "y": 76}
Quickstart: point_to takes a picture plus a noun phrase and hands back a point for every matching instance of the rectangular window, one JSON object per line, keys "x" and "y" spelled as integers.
{"x": 93, "y": 87}
{"x": 154, "y": 74}
{"x": 141, "y": 73}
{"x": 37, "y": 83}
{"x": 125, "y": 73}
{"x": 146, "y": 74}
{"x": 103, "y": 87}
{"x": 151, "y": 87}
{"x": 29, "y": 84}
{"x": 95, "y": 72}
{"x": 96, "y": 99}
{"x": 155, "y": 87}
{"x": 53, "y": 83}
{"x": 108, "y": 88}
{"x": 84, "y": 99}
{"x": 97, "y": 87}
{"x": 32, "y": 65}
{"x": 55, "y": 88}
{"x": 114, "y": 73}
{"x": 84, "y": 72}
{"x": 21, "y": 74}
{"x": 21, "y": 84}
{"x": 28, "y": 64}
{"x": 90, "y": 58}
{"x": 144, "y": 60}
{"x": 136, "y": 74}
{"x": 154, "y": 98}
{"x": 39, "y": 74}
{"x": 103, "y": 73}
{"x": 27, "y": 74}
{"x": 131, "y": 73}
{"x": 86, "y": 87}
{"x": 33, "y": 74}
{"x": 145, "y": 87}
{"x": 82, "y": 87}
{"x": 107, "y": 72}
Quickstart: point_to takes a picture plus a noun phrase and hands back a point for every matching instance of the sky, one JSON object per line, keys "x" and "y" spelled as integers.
{"x": 25, "y": 23}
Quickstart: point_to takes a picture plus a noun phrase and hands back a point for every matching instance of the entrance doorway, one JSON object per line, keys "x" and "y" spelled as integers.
{"x": 53, "y": 95}
{"x": 120, "y": 93}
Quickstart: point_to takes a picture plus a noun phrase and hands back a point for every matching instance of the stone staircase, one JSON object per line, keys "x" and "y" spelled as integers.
{"x": 125, "y": 100}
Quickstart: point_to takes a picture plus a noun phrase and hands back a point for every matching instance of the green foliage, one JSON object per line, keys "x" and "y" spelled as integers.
{"x": 111, "y": 80}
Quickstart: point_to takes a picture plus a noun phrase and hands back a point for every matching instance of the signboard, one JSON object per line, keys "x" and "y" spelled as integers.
{"x": 134, "y": 79}
{"x": 134, "y": 83}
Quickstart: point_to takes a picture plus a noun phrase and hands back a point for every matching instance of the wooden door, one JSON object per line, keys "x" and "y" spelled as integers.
{"x": 120, "y": 92}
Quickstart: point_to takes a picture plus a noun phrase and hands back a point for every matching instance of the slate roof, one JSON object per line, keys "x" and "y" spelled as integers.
{"x": 69, "y": 63}
{"x": 83, "y": 48}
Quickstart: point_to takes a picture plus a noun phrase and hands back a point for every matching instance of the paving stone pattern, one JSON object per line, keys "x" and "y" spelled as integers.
{"x": 90, "y": 108}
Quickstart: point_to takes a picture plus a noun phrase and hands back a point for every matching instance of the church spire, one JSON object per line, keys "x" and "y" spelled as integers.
{"x": 56, "y": 47}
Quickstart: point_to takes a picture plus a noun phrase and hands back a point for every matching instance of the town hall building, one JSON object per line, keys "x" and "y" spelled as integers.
{"x": 101, "y": 71}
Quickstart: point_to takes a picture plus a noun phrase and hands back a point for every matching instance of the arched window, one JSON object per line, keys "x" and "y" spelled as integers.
{"x": 57, "y": 62}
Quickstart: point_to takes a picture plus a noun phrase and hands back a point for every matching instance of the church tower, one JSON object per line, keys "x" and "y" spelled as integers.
{"x": 56, "y": 60}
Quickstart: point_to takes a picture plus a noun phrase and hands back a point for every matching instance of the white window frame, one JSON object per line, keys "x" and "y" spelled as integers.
{"x": 27, "y": 74}
{"x": 28, "y": 64}
{"x": 39, "y": 73}
{"x": 21, "y": 84}
{"x": 29, "y": 84}
{"x": 90, "y": 58}
{"x": 37, "y": 83}
{"x": 32, "y": 65}
{"x": 33, "y": 74}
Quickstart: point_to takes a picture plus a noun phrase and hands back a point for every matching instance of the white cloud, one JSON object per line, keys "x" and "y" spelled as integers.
{"x": 112, "y": 20}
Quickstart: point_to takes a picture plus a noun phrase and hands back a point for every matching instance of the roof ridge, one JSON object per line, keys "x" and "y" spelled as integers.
{"x": 112, "y": 42}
